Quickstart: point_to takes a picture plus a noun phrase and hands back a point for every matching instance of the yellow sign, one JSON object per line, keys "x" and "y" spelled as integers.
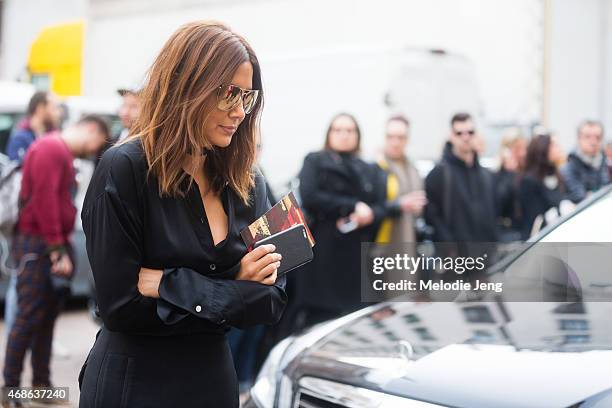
{"x": 56, "y": 56}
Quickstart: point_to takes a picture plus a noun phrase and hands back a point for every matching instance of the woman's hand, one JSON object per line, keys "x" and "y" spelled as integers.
{"x": 260, "y": 265}
{"x": 61, "y": 264}
{"x": 413, "y": 202}
{"x": 148, "y": 282}
{"x": 362, "y": 214}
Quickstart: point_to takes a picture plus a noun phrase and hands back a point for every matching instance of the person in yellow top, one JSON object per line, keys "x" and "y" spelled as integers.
{"x": 405, "y": 195}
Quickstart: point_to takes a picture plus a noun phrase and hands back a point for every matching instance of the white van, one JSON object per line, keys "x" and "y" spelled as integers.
{"x": 304, "y": 91}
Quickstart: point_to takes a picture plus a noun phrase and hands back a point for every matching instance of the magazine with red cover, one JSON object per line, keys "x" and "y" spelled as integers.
{"x": 283, "y": 215}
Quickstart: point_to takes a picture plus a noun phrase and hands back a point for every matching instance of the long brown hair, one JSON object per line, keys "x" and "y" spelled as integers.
{"x": 179, "y": 94}
{"x": 537, "y": 163}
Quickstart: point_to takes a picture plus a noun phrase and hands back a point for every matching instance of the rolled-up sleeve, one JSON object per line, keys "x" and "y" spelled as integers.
{"x": 238, "y": 303}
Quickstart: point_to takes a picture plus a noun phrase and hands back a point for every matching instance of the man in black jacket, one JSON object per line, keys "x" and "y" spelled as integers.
{"x": 460, "y": 193}
{"x": 586, "y": 170}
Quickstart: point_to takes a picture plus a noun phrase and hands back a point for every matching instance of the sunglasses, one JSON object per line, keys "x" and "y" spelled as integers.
{"x": 229, "y": 96}
{"x": 467, "y": 132}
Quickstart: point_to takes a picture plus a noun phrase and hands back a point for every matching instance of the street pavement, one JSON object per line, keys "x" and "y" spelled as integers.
{"x": 75, "y": 333}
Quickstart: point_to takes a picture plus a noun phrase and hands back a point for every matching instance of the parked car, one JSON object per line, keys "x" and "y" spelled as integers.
{"x": 474, "y": 354}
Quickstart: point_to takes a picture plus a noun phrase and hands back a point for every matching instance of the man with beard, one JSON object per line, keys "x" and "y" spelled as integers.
{"x": 43, "y": 115}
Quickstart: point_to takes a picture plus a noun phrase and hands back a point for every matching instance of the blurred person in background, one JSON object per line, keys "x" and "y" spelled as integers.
{"x": 129, "y": 110}
{"x": 162, "y": 217}
{"x": 460, "y": 192}
{"x": 401, "y": 188}
{"x": 343, "y": 208}
{"x": 586, "y": 170}
{"x": 541, "y": 187}
{"x": 44, "y": 114}
{"x": 512, "y": 155}
{"x": 404, "y": 194}
{"x": 405, "y": 197}
{"x": 128, "y": 114}
{"x": 479, "y": 144}
{"x": 46, "y": 221}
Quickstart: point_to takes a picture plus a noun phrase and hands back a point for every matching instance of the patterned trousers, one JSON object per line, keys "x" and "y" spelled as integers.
{"x": 38, "y": 307}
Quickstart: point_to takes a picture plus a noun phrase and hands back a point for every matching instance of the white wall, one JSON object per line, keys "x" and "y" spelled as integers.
{"x": 580, "y": 61}
{"x": 23, "y": 20}
{"x": 503, "y": 37}
{"x": 503, "y": 40}
{"x": 606, "y": 50}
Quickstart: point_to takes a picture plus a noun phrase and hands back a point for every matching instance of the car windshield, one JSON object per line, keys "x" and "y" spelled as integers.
{"x": 425, "y": 327}
{"x": 564, "y": 256}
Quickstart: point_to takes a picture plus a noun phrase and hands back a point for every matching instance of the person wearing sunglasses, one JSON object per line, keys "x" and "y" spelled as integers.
{"x": 162, "y": 218}
{"x": 461, "y": 203}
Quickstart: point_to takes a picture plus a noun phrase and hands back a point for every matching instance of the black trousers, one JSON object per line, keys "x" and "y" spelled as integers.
{"x": 124, "y": 370}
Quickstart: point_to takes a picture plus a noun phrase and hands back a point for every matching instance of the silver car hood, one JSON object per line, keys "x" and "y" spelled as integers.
{"x": 472, "y": 354}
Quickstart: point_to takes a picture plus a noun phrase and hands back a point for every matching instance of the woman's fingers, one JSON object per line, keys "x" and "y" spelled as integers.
{"x": 148, "y": 282}
{"x": 267, "y": 260}
{"x": 259, "y": 252}
{"x": 259, "y": 264}
{"x": 271, "y": 278}
{"x": 267, "y": 271}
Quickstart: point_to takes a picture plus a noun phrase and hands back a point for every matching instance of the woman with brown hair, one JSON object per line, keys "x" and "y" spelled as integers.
{"x": 163, "y": 216}
{"x": 541, "y": 187}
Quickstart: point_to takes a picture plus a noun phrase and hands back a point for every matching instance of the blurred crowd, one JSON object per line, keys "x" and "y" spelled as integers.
{"x": 346, "y": 200}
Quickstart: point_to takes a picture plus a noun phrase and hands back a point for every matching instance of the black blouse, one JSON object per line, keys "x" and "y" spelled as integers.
{"x": 128, "y": 225}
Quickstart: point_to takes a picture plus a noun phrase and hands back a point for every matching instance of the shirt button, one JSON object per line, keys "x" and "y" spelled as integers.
{"x": 201, "y": 220}
{"x": 198, "y": 309}
{"x": 213, "y": 267}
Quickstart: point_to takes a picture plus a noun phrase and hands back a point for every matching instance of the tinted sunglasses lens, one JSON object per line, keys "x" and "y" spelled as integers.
{"x": 249, "y": 100}
{"x": 229, "y": 97}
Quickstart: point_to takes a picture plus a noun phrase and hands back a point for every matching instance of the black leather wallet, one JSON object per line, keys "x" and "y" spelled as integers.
{"x": 293, "y": 245}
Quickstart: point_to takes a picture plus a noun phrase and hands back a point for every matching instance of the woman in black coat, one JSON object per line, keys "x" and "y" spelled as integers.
{"x": 541, "y": 187}
{"x": 162, "y": 218}
{"x": 336, "y": 186}
{"x": 506, "y": 181}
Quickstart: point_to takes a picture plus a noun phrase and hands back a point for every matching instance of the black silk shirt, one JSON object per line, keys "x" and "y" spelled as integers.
{"x": 128, "y": 225}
